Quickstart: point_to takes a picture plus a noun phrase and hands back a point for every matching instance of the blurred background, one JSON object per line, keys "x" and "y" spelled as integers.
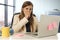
{"x": 10, "y": 7}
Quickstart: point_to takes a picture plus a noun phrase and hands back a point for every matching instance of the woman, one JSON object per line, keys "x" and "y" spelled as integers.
{"x": 25, "y": 21}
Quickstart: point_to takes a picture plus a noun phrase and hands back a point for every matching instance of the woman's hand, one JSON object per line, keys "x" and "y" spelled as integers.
{"x": 27, "y": 15}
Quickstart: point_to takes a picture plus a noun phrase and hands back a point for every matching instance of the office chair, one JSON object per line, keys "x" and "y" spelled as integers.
{"x": 11, "y": 30}
{"x": 59, "y": 28}
{"x": 13, "y": 18}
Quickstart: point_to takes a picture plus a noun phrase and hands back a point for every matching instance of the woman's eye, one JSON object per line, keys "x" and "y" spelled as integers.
{"x": 30, "y": 9}
{"x": 26, "y": 8}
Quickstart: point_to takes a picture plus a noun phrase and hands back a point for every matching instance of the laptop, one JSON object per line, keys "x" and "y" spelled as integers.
{"x": 48, "y": 26}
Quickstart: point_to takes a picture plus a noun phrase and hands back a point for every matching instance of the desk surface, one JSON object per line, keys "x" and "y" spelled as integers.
{"x": 28, "y": 37}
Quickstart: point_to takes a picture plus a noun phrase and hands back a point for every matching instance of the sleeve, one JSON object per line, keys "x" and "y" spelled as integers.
{"x": 18, "y": 25}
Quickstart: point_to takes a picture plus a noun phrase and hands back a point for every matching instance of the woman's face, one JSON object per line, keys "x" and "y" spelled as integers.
{"x": 27, "y": 9}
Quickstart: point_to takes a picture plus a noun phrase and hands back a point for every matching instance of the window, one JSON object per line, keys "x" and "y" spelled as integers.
{"x": 2, "y": 15}
{"x": 9, "y": 6}
{"x": 10, "y": 14}
{"x": 10, "y": 2}
{"x": 2, "y": 1}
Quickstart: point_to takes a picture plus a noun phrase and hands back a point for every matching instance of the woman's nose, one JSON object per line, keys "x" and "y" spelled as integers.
{"x": 28, "y": 10}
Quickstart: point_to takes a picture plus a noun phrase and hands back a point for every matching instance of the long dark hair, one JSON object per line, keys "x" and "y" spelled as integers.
{"x": 31, "y": 20}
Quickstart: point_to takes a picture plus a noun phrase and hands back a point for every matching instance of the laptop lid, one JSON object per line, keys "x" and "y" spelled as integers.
{"x": 48, "y": 25}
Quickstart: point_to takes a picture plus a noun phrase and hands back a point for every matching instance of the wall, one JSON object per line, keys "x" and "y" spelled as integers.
{"x": 40, "y": 6}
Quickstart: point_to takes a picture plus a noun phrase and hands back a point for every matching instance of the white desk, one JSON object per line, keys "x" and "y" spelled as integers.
{"x": 27, "y": 37}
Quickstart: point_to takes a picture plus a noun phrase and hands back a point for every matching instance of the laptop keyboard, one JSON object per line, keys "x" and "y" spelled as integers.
{"x": 35, "y": 34}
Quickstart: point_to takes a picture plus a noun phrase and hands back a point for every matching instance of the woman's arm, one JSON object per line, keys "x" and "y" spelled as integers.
{"x": 18, "y": 25}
